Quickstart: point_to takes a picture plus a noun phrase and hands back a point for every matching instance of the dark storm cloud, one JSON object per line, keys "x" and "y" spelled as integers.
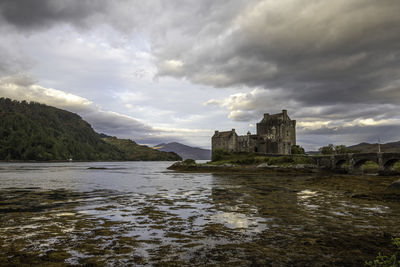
{"x": 329, "y": 61}
{"x": 33, "y": 15}
{"x": 30, "y": 17}
{"x": 330, "y": 64}
{"x": 321, "y": 52}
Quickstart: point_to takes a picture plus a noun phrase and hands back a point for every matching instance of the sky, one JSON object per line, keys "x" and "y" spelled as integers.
{"x": 163, "y": 71}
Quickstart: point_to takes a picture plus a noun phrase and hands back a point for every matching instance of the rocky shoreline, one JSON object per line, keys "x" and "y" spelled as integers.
{"x": 181, "y": 166}
{"x": 262, "y": 168}
{"x": 391, "y": 192}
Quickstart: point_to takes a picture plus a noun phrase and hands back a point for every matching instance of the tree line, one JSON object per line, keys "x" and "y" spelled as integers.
{"x": 34, "y": 131}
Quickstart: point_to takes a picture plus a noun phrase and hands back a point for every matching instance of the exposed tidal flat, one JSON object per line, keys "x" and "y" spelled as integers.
{"x": 140, "y": 213}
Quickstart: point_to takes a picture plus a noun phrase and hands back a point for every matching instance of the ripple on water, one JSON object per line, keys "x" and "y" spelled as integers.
{"x": 306, "y": 194}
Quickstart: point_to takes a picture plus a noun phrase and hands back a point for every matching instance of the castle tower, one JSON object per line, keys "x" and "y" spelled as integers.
{"x": 276, "y": 134}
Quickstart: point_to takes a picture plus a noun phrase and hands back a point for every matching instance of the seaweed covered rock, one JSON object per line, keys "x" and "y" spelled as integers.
{"x": 394, "y": 187}
{"x": 183, "y": 164}
{"x": 189, "y": 162}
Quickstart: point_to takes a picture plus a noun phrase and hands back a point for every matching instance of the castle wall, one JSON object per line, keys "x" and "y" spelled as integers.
{"x": 246, "y": 143}
{"x": 275, "y": 135}
{"x": 284, "y": 148}
{"x": 243, "y": 144}
{"x": 278, "y": 132}
{"x": 224, "y": 140}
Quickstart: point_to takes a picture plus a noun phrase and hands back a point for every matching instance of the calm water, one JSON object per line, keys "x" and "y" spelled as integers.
{"x": 139, "y": 213}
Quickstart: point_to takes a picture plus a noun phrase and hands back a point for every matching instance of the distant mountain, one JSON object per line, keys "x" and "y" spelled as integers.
{"x": 186, "y": 152}
{"x": 134, "y": 151}
{"x": 366, "y": 147}
{"x": 392, "y": 147}
{"x": 33, "y": 131}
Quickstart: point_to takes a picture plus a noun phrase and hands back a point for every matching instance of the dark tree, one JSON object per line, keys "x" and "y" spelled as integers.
{"x": 296, "y": 149}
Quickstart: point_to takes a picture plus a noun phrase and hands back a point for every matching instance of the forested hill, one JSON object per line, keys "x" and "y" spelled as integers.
{"x": 33, "y": 131}
{"x": 186, "y": 152}
{"x": 393, "y": 147}
{"x": 134, "y": 151}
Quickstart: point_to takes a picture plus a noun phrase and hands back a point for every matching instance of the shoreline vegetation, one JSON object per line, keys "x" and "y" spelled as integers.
{"x": 253, "y": 163}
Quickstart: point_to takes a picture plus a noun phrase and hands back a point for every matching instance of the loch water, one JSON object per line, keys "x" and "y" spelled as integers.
{"x": 141, "y": 214}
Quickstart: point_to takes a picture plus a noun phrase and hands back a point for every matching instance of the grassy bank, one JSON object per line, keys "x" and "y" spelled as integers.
{"x": 223, "y": 157}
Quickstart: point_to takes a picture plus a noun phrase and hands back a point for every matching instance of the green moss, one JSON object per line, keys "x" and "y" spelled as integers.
{"x": 397, "y": 166}
{"x": 93, "y": 261}
{"x": 370, "y": 167}
{"x": 254, "y": 159}
{"x": 58, "y": 256}
{"x": 139, "y": 260}
{"x": 309, "y": 236}
{"x": 189, "y": 162}
{"x": 387, "y": 261}
{"x": 177, "y": 235}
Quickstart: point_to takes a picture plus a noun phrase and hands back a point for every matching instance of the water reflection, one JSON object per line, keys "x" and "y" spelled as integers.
{"x": 141, "y": 214}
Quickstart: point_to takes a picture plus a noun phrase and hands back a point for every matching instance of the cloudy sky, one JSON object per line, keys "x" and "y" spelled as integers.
{"x": 160, "y": 71}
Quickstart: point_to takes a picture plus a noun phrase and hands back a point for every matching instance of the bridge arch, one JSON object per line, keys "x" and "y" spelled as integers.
{"x": 339, "y": 163}
{"x": 388, "y": 165}
{"x": 357, "y": 164}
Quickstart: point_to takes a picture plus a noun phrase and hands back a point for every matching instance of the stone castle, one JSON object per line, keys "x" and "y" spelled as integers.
{"x": 275, "y": 135}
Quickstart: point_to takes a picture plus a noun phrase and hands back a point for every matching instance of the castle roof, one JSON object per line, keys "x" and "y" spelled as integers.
{"x": 224, "y": 134}
{"x": 274, "y": 118}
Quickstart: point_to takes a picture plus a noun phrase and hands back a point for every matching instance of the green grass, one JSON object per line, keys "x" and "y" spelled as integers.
{"x": 254, "y": 159}
{"x": 371, "y": 166}
{"x": 387, "y": 261}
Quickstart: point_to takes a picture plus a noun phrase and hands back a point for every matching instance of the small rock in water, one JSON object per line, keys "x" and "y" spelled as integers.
{"x": 395, "y": 186}
{"x": 304, "y": 166}
{"x": 263, "y": 165}
{"x": 228, "y": 165}
{"x": 266, "y": 165}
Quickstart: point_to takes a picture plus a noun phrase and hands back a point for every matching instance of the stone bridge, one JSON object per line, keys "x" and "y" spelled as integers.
{"x": 354, "y": 161}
